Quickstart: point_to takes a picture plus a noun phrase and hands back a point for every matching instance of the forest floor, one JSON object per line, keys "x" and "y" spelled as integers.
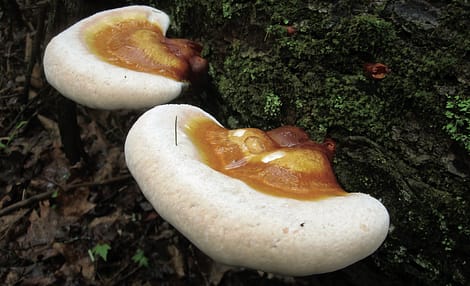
{"x": 86, "y": 223}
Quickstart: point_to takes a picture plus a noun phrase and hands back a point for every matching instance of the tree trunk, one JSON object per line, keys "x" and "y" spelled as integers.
{"x": 403, "y": 139}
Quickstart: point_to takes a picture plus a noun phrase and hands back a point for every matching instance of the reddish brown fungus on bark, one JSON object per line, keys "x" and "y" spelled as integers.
{"x": 376, "y": 70}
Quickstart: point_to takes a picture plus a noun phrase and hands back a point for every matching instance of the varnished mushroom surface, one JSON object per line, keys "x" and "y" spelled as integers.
{"x": 271, "y": 162}
{"x": 120, "y": 58}
{"x": 233, "y": 222}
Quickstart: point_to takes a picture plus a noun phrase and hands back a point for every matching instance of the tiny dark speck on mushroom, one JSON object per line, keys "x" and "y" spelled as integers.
{"x": 302, "y": 224}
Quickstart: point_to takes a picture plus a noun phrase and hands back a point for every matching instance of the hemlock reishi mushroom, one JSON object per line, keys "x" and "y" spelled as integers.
{"x": 120, "y": 58}
{"x": 181, "y": 158}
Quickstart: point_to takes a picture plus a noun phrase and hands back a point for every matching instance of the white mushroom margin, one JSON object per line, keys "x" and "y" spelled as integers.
{"x": 78, "y": 74}
{"x": 237, "y": 225}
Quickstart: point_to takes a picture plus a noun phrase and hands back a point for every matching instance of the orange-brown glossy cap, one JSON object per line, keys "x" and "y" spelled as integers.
{"x": 121, "y": 58}
{"x": 233, "y": 222}
{"x": 282, "y": 162}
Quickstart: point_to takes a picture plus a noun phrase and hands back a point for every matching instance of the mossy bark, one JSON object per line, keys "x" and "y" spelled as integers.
{"x": 403, "y": 139}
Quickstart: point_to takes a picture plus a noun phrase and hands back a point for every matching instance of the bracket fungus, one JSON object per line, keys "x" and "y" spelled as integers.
{"x": 262, "y": 200}
{"x": 120, "y": 58}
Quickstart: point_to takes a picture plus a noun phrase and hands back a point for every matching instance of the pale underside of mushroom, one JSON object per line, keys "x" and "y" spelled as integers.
{"x": 77, "y": 73}
{"x": 237, "y": 225}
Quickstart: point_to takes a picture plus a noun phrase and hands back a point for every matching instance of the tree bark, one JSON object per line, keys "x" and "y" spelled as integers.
{"x": 390, "y": 132}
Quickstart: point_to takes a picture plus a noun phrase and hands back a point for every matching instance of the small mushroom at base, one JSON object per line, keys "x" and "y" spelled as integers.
{"x": 235, "y": 224}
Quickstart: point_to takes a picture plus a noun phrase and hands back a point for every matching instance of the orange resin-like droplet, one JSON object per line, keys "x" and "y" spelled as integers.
{"x": 376, "y": 70}
{"x": 140, "y": 45}
{"x": 282, "y": 162}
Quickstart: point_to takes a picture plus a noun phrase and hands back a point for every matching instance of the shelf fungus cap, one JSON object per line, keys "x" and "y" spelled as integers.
{"x": 275, "y": 219}
{"x": 120, "y": 58}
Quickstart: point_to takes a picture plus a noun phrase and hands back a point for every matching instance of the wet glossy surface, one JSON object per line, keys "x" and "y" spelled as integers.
{"x": 140, "y": 45}
{"x": 281, "y": 162}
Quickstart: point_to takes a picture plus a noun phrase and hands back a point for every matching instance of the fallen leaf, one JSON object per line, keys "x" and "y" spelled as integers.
{"x": 217, "y": 272}
{"x": 111, "y": 164}
{"x": 12, "y": 278}
{"x": 11, "y": 166}
{"x": 105, "y": 220}
{"x": 75, "y": 203}
{"x": 52, "y": 128}
{"x": 8, "y": 221}
{"x": 45, "y": 227}
{"x": 6, "y": 198}
{"x": 176, "y": 260}
{"x": 35, "y": 274}
{"x": 87, "y": 268}
{"x": 37, "y": 150}
{"x": 99, "y": 144}
{"x": 105, "y": 228}
{"x": 77, "y": 262}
